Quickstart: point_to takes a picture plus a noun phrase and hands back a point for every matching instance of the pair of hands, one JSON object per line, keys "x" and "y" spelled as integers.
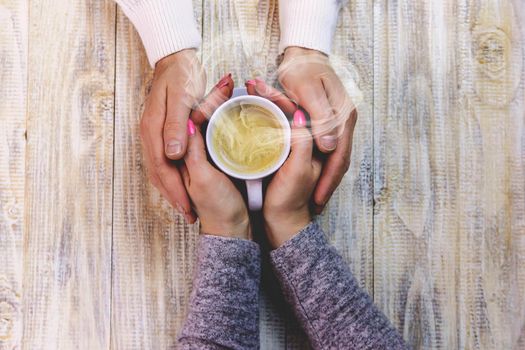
{"x": 178, "y": 86}
{"x": 220, "y": 205}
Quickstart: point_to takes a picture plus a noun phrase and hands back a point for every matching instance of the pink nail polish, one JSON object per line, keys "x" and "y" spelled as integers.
{"x": 298, "y": 118}
{"x": 191, "y": 127}
{"x": 251, "y": 82}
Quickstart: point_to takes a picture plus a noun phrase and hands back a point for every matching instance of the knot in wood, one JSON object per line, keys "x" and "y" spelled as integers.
{"x": 492, "y": 52}
{"x": 9, "y": 311}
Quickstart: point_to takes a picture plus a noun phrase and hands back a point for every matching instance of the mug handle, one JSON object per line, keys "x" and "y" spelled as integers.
{"x": 255, "y": 195}
{"x": 253, "y": 187}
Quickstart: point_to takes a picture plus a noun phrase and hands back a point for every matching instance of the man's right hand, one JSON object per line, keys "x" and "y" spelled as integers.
{"x": 178, "y": 83}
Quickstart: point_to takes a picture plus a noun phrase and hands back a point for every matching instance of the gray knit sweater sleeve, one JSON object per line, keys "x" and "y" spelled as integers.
{"x": 224, "y": 303}
{"x": 332, "y": 309}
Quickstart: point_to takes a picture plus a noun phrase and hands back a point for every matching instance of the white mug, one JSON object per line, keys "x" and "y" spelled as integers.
{"x": 253, "y": 181}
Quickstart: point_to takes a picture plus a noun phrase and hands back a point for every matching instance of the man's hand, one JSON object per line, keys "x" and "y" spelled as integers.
{"x": 179, "y": 83}
{"x": 308, "y": 78}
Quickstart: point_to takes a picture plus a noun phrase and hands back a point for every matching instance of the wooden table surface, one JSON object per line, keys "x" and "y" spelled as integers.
{"x": 430, "y": 217}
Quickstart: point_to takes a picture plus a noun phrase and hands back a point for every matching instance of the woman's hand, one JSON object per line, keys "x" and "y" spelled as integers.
{"x": 218, "y": 203}
{"x": 178, "y": 83}
{"x": 286, "y": 205}
{"x": 307, "y": 77}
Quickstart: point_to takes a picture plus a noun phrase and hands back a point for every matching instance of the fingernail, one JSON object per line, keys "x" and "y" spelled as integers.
{"x": 261, "y": 85}
{"x": 222, "y": 83}
{"x": 251, "y": 82}
{"x": 173, "y": 148}
{"x": 191, "y": 127}
{"x": 298, "y": 118}
{"x": 329, "y": 142}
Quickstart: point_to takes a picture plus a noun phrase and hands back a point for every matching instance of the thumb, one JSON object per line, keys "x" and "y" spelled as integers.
{"x": 302, "y": 143}
{"x": 177, "y": 112}
{"x": 219, "y": 94}
{"x": 195, "y": 155}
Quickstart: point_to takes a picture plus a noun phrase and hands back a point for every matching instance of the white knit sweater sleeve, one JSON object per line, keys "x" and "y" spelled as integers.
{"x": 165, "y": 26}
{"x": 308, "y": 23}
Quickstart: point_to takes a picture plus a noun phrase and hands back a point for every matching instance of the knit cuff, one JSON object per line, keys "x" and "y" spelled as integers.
{"x": 308, "y": 23}
{"x": 165, "y": 26}
{"x": 307, "y": 243}
{"x": 228, "y": 248}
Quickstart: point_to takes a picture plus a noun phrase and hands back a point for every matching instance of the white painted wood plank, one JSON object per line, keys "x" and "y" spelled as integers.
{"x": 68, "y": 217}
{"x": 153, "y": 249}
{"x": 449, "y": 170}
{"x": 13, "y": 90}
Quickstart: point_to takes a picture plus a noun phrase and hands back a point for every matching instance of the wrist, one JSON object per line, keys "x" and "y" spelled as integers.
{"x": 235, "y": 229}
{"x": 296, "y": 56}
{"x": 185, "y": 55}
{"x": 292, "y": 51}
{"x": 282, "y": 226}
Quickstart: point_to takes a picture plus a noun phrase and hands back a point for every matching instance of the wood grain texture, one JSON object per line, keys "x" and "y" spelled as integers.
{"x": 347, "y": 219}
{"x": 67, "y": 250}
{"x": 13, "y": 77}
{"x": 449, "y": 170}
{"x": 240, "y": 37}
{"x": 153, "y": 248}
{"x": 430, "y": 217}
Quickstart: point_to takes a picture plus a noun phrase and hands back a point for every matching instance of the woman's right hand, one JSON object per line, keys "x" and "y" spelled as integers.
{"x": 215, "y": 198}
{"x": 286, "y": 207}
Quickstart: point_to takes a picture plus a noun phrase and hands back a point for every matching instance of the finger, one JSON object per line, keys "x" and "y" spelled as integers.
{"x": 339, "y": 99}
{"x": 190, "y": 217}
{"x": 313, "y": 98}
{"x": 258, "y": 87}
{"x": 195, "y": 157}
{"x": 220, "y": 93}
{"x": 317, "y": 167}
{"x": 155, "y": 181}
{"x": 161, "y": 169}
{"x": 196, "y": 164}
{"x": 302, "y": 144}
{"x": 154, "y": 111}
{"x": 185, "y": 175}
{"x": 336, "y": 166}
{"x": 178, "y": 110}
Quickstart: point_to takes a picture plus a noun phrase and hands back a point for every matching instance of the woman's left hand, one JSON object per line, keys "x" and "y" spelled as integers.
{"x": 218, "y": 203}
{"x": 286, "y": 206}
